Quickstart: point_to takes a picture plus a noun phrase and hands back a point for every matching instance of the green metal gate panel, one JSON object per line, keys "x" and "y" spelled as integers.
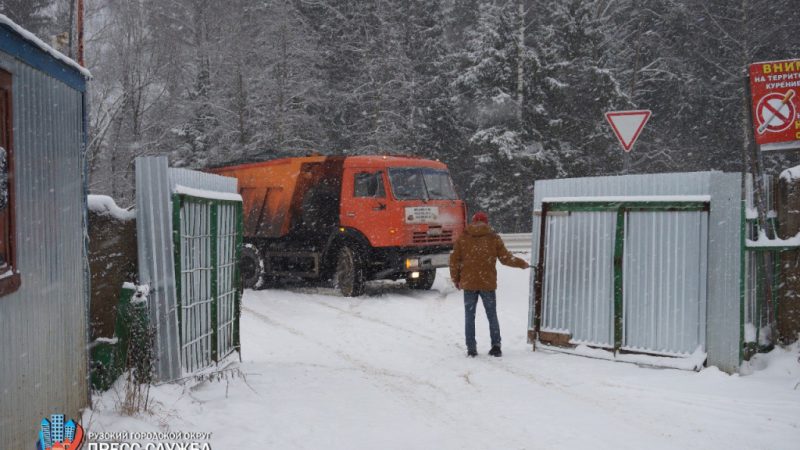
{"x": 208, "y": 239}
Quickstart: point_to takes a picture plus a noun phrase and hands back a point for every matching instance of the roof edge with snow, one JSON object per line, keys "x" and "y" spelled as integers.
{"x": 27, "y": 47}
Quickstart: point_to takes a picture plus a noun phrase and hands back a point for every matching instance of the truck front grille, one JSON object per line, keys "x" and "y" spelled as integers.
{"x": 422, "y": 237}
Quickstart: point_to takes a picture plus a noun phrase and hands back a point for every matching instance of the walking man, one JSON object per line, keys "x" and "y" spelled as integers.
{"x": 472, "y": 268}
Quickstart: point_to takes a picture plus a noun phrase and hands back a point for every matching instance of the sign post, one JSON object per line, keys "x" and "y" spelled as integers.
{"x": 627, "y": 126}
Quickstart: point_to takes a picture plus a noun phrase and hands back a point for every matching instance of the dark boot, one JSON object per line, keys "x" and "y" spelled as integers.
{"x": 495, "y": 351}
{"x": 472, "y": 353}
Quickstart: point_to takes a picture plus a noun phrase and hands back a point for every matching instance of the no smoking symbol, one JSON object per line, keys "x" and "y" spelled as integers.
{"x": 776, "y": 112}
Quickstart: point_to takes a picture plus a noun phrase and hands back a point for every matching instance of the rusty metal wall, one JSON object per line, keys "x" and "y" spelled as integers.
{"x": 723, "y": 332}
{"x": 43, "y": 325}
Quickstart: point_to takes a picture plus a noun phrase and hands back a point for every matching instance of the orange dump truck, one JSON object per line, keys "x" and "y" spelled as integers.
{"x": 347, "y": 219}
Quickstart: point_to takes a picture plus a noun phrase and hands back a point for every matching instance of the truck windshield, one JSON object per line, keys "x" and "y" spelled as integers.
{"x": 421, "y": 183}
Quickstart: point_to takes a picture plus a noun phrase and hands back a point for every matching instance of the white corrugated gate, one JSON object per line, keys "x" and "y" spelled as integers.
{"x": 681, "y": 279}
{"x": 625, "y": 273}
{"x": 664, "y": 275}
{"x": 579, "y": 280}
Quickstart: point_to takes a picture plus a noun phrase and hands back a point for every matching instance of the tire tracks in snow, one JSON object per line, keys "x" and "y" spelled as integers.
{"x": 392, "y": 381}
{"x": 604, "y": 405}
{"x": 358, "y": 315}
{"x": 368, "y": 368}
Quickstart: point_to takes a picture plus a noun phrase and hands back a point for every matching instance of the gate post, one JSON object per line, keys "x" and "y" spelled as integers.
{"x": 538, "y": 283}
{"x": 788, "y": 309}
{"x": 619, "y": 251}
{"x": 214, "y": 282}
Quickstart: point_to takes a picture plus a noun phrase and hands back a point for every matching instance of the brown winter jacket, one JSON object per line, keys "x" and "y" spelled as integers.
{"x": 472, "y": 263}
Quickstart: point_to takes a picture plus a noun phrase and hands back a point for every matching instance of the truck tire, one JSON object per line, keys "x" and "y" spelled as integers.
{"x": 424, "y": 282}
{"x": 349, "y": 277}
{"x": 251, "y": 267}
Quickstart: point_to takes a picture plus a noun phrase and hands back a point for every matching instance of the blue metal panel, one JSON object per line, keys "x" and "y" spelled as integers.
{"x": 18, "y": 47}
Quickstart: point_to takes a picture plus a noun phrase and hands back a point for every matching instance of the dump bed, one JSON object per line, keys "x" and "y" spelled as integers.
{"x": 273, "y": 191}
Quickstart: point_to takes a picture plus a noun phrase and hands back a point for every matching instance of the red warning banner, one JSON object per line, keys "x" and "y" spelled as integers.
{"x": 774, "y": 87}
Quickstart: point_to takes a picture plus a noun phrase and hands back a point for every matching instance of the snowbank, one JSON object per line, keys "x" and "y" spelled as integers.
{"x": 692, "y": 362}
{"x": 105, "y": 205}
{"x": 791, "y": 174}
{"x": 782, "y": 364}
{"x": 764, "y": 242}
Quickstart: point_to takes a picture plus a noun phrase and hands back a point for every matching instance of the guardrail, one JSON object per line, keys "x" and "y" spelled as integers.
{"x": 517, "y": 242}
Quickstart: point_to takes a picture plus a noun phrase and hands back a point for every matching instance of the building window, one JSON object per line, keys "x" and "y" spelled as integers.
{"x": 9, "y": 275}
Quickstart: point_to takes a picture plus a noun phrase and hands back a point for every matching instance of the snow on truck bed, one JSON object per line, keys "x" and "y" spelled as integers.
{"x": 388, "y": 371}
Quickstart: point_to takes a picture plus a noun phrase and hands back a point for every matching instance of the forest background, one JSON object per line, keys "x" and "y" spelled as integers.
{"x": 505, "y": 92}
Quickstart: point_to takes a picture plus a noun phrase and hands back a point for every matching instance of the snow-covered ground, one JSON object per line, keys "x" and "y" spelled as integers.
{"x": 388, "y": 370}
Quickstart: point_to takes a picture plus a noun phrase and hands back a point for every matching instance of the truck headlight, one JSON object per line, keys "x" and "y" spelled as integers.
{"x": 412, "y": 262}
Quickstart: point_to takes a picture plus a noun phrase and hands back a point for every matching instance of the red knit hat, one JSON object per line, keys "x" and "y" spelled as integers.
{"x": 480, "y": 216}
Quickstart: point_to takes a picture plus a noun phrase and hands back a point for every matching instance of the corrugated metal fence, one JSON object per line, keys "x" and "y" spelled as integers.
{"x": 198, "y": 236}
{"x": 643, "y": 263}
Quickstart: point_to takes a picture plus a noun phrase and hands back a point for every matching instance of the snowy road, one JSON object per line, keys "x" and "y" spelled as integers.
{"x": 388, "y": 371}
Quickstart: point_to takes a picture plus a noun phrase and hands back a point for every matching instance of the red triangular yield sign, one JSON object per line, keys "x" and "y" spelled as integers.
{"x": 627, "y": 125}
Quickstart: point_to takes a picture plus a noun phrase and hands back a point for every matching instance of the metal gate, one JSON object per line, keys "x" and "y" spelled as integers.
{"x": 207, "y": 245}
{"x": 624, "y": 275}
{"x": 664, "y": 273}
{"x": 579, "y": 280}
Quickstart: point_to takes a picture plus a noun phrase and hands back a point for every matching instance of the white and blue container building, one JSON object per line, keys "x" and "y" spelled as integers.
{"x": 43, "y": 264}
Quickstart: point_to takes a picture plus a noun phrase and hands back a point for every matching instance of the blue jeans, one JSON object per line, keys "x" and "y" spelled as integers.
{"x": 470, "y": 306}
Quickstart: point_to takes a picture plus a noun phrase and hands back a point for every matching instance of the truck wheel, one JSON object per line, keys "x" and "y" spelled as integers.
{"x": 251, "y": 267}
{"x": 349, "y": 278}
{"x": 424, "y": 282}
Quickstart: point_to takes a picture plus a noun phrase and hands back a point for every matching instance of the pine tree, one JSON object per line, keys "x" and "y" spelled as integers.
{"x": 30, "y": 14}
{"x": 504, "y": 147}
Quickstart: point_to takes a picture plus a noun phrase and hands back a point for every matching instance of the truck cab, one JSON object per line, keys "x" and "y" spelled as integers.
{"x": 408, "y": 211}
